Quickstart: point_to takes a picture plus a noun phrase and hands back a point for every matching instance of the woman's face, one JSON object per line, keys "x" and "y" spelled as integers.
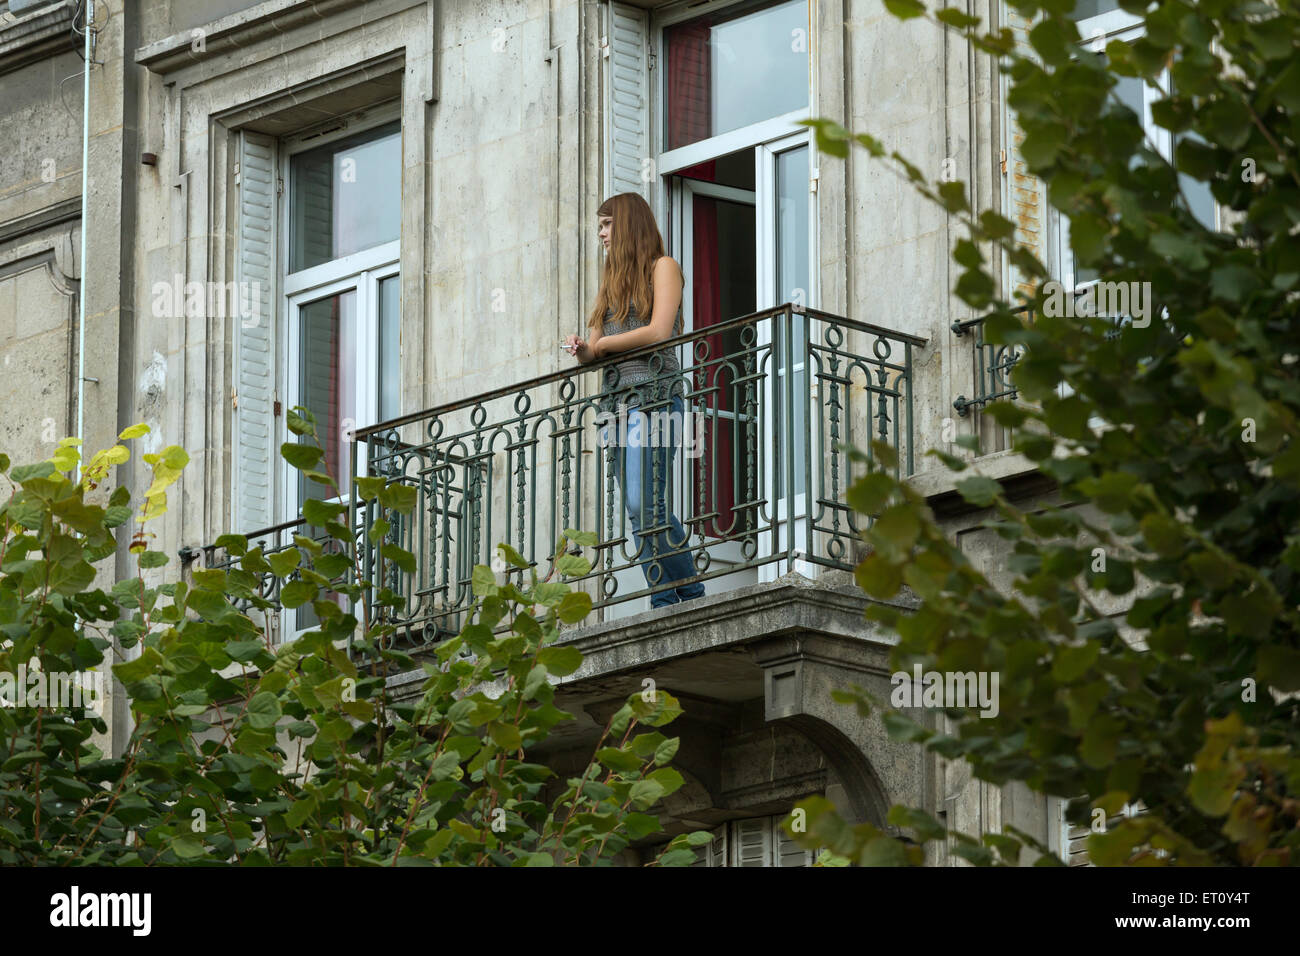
{"x": 606, "y": 224}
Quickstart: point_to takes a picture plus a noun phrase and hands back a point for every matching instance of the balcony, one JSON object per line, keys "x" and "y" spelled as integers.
{"x": 757, "y": 481}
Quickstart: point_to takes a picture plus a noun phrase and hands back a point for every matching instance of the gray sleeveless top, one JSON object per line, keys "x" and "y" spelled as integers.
{"x": 637, "y": 371}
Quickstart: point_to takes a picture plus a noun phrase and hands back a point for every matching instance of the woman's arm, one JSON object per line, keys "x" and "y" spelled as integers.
{"x": 668, "y": 285}
{"x": 590, "y": 351}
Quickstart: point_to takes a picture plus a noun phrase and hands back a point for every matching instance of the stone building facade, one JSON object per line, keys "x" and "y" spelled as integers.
{"x": 384, "y": 208}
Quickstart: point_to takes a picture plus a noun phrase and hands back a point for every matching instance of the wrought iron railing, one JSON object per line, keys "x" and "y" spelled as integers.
{"x": 266, "y": 543}
{"x": 770, "y": 400}
{"x": 760, "y": 476}
{"x": 993, "y": 365}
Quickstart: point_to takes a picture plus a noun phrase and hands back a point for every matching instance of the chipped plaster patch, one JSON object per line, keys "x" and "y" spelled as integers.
{"x": 153, "y": 387}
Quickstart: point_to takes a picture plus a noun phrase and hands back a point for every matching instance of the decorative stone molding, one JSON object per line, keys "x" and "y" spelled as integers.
{"x": 28, "y": 37}
{"x": 240, "y": 29}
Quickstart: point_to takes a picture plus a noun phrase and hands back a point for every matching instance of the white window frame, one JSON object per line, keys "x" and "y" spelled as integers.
{"x": 798, "y": 525}
{"x": 766, "y": 138}
{"x": 1099, "y": 31}
{"x": 361, "y": 271}
{"x": 722, "y": 553}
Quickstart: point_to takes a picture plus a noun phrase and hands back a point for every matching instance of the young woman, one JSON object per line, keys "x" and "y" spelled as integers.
{"x": 639, "y": 303}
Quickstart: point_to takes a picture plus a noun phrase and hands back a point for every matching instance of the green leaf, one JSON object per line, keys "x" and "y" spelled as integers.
{"x": 283, "y": 563}
{"x": 878, "y": 576}
{"x": 401, "y": 498}
{"x": 619, "y": 760}
{"x": 318, "y": 513}
{"x": 263, "y": 710}
{"x": 404, "y": 559}
{"x": 300, "y": 424}
{"x": 1070, "y": 663}
{"x": 905, "y": 9}
{"x": 483, "y": 581}
{"x": 926, "y": 827}
{"x": 1279, "y": 667}
{"x": 586, "y": 539}
{"x": 574, "y": 607}
{"x": 870, "y": 492}
{"x": 1100, "y": 741}
{"x": 978, "y": 490}
{"x": 560, "y": 661}
{"x": 301, "y": 456}
{"x": 295, "y": 594}
{"x": 368, "y": 488}
{"x": 25, "y": 473}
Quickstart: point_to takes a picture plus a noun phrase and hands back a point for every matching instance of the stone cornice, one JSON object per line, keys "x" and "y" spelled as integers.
{"x": 36, "y": 35}
{"x": 240, "y": 29}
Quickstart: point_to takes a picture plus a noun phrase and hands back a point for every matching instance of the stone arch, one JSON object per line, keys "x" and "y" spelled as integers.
{"x": 866, "y": 797}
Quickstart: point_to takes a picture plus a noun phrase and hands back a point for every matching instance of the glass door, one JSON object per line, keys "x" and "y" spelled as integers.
{"x": 343, "y": 359}
{"x": 722, "y": 463}
{"x": 784, "y": 265}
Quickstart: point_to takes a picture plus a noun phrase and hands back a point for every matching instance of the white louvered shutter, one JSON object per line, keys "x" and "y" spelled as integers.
{"x": 751, "y": 842}
{"x": 627, "y": 106}
{"x": 1077, "y": 835}
{"x": 785, "y": 851}
{"x": 713, "y": 853}
{"x": 254, "y": 374}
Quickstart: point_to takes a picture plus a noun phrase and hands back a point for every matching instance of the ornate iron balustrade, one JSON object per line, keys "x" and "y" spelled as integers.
{"x": 759, "y": 477}
{"x": 993, "y": 365}
{"x": 268, "y": 542}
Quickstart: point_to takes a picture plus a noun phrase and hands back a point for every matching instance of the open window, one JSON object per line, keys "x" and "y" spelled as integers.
{"x": 318, "y": 228}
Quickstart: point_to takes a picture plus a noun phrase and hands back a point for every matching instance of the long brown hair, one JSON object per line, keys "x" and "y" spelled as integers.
{"x": 635, "y": 245}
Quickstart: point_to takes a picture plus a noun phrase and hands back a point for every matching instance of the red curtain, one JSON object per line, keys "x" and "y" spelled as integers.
{"x": 689, "y": 100}
{"x": 714, "y": 471}
{"x": 689, "y": 121}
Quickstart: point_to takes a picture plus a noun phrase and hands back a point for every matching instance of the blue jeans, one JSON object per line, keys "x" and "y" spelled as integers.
{"x": 642, "y": 466}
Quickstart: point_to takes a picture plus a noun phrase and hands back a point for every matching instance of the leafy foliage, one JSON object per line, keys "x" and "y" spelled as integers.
{"x": 244, "y": 751}
{"x": 1147, "y": 643}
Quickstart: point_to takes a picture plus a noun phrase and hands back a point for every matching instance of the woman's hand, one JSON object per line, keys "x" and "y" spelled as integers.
{"x": 578, "y": 348}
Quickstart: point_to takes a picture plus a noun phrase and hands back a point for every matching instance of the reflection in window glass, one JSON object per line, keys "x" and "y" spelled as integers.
{"x": 390, "y": 393}
{"x": 1083, "y": 9}
{"x": 1199, "y": 198}
{"x": 792, "y": 286}
{"x": 345, "y": 197}
{"x": 726, "y": 72}
{"x": 327, "y": 383}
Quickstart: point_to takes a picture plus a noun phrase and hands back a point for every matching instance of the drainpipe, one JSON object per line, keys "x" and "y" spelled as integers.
{"x": 85, "y": 207}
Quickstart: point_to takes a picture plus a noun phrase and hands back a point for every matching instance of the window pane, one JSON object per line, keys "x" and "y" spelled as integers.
{"x": 345, "y": 197}
{"x": 792, "y": 225}
{"x": 390, "y": 380}
{"x": 728, "y": 72}
{"x": 1083, "y": 9}
{"x": 328, "y": 383}
{"x": 1200, "y": 200}
{"x": 792, "y": 286}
